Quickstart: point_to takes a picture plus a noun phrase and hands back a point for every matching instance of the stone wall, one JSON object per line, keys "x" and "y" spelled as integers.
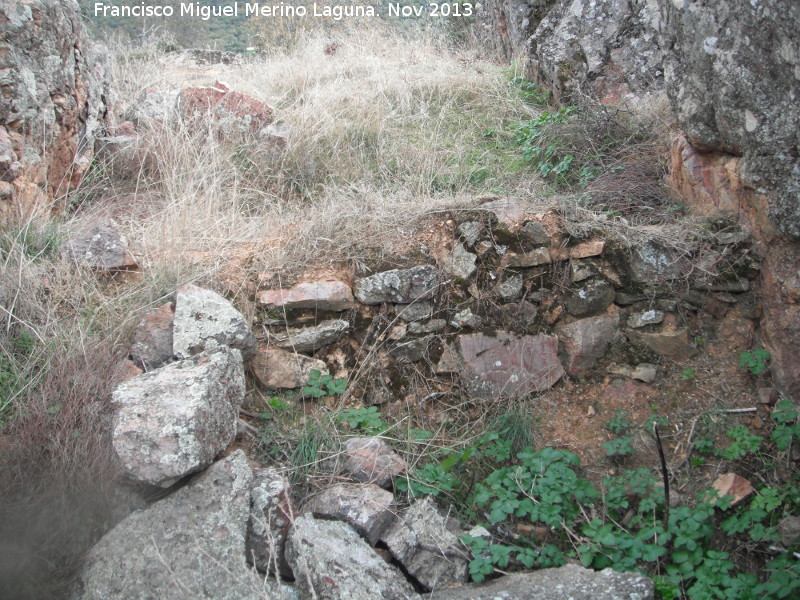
{"x": 55, "y": 89}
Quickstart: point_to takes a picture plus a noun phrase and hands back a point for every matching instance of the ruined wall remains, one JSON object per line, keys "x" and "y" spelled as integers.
{"x": 55, "y": 89}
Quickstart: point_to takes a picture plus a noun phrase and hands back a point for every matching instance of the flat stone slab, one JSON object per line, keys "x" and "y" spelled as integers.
{"x": 321, "y": 295}
{"x": 175, "y": 420}
{"x": 204, "y": 320}
{"x": 330, "y": 560}
{"x": 507, "y": 365}
{"x": 401, "y": 286}
{"x": 585, "y": 341}
{"x": 569, "y": 582}
{"x": 307, "y": 339}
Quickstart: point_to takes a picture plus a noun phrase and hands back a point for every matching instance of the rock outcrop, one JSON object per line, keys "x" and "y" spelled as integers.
{"x": 55, "y": 88}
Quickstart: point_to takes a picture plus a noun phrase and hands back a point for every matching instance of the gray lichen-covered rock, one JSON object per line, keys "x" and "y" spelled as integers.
{"x": 175, "y": 420}
{"x": 733, "y": 78}
{"x": 460, "y": 264}
{"x": 204, "y": 320}
{"x": 103, "y": 248}
{"x": 188, "y": 545}
{"x": 506, "y": 365}
{"x": 428, "y": 551}
{"x": 416, "y": 311}
{"x": 607, "y": 47}
{"x": 271, "y": 515}
{"x": 369, "y": 509}
{"x": 401, "y": 286}
{"x": 56, "y": 102}
{"x": 307, "y": 339}
{"x": 591, "y": 298}
{"x": 569, "y": 582}
{"x": 330, "y": 560}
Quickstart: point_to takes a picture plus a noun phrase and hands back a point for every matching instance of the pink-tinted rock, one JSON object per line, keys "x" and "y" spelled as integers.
{"x": 152, "y": 340}
{"x": 371, "y": 460}
{"x": 277, "y": 369}
{"x": 507, "y": 365}
{"x": 672, "y": 344}
{"x": 321, "y": 295}
{"x": 731, "y": 484}
{"x": 584, "y": 342}
{"x": 587, "y": 249}
{"x": 228, "y": 112}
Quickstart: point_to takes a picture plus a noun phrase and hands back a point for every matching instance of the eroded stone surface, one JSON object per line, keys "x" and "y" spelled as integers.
{"x": 416, "y": 311}
{"x": 190, "y": 544}
{"x": 175, "y": 420}
{"x": 401, "y": 286}
{"x": 330, "y": 560}
{"x": 271, "y": 515}
{"x": 733, "y": 485}
{"x": 421, "y": 542}
{"x": 369, "y": 509}
{"x": 591, "y": 298}
{"x": 672, "y": 344}
{"x": 460, "y": 264}
{"x": 226, "y": 111}
{"x": 204, "y": 320}
{"x": 277, "y": 369}
{"x": 505, "y": 365}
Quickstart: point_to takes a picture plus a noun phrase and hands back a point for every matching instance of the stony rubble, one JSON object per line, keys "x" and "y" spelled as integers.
{"x": 330, "y": 560}
{"x": 401, "y": 286}
{"x": 226, "y": 112}
{"x": 369, "y": 509}
{"x": 320, "y": 295}
{"x": 175, "y": 420}
{"x": 102, "y": 248}
{"x": 152, "y": 339}
{"x": 205, "y": 321}
{"x": 307, "y": 339}
{"x": 585, "y": 341}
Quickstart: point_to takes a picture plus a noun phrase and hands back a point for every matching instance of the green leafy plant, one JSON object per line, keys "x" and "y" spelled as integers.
{"x": 368, "y": 419}
{"x": 619, "y": 423}
{"x": 688, "y": 374}
{"x": 319, "y": 385}
{"x": 756, "y": 361}
{"x": 787, "y": 427}
{"x": 743, "y": 442}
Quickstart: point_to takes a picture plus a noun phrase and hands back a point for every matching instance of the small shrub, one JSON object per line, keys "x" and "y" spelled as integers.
{"x": 319, "y": 385}
{"x": 755, "y": 361}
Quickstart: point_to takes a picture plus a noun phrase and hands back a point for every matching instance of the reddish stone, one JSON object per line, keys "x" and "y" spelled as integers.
{"x": 506, "y": 365}
{"x": 587, "y": 249}
{"x": 276, "y": 369}
{"x": 584, "y": 342}
{"x": 731, "y": 484}
{"x": 152, "y": 340}
{"x": 371, "y": 460}
{"x": 322, "y": 295}
{"x": 229, "y": 111}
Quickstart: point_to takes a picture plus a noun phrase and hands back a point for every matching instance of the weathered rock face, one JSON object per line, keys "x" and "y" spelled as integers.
{"x": 102, "y": 248}
{"x": 224, "y": 111}
{"x": 204, "y": 320}
{"x": 277, "y": 369}
{"x": 271, "y": 514}
{"x": 371, "y": 460}
{"x": 732, "y": 75}
{"x": 369, "y": 509}
{"x": 399, "y": 285}
{"x": 505, "y": 365}
{"x": 567, "y": 582}
{"x": 330, "y": 560}
{"x": 175, "y": 420}
{"x": 306, "y": 339}
{"x": 585, "y": 341}
{"x": 152, "y": 339}
{"x": 189, "y": 545}
{"x": 506, "y": 26}
{"x": 55, "y": 88}
{"x": 421, "y": 542}
{"x": 320, "y": 295}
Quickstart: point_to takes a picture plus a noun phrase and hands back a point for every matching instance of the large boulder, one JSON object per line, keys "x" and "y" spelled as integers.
{"x": 330, "y": 560}
{"x": 732, "y": 76}
{"x": 204, "y": 321}
{"x": 569, "y": 582}
{"x": 188, "y": 545}
{"x": 56, "y": 94}
{"x": 175, "y": 420}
